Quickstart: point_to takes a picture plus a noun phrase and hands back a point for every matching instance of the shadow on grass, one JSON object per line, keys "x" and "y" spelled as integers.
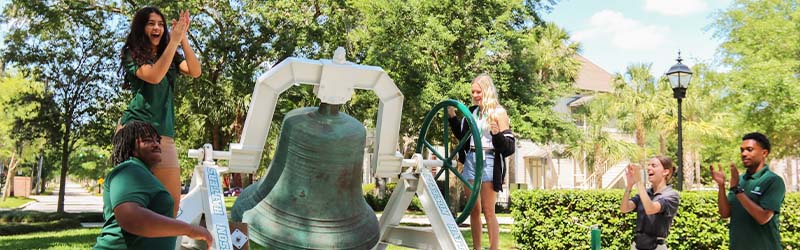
{"x": 83, "y": 238}
{"x": 506, "y": 242}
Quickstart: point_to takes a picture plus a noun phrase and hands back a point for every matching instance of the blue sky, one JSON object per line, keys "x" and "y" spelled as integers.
{"x": 616, "y": 33}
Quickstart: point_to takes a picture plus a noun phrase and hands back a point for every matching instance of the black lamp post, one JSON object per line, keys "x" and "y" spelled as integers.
{"x": 679, "y": 77}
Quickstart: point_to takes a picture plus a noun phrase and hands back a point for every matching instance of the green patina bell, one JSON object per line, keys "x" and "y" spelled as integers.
{"x": 311, "y": 197}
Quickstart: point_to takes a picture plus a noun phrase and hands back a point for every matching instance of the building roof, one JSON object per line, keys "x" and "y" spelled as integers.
{"x": 592, "y": 77}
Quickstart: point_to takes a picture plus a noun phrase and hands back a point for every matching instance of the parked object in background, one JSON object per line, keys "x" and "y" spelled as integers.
{"x": 232, "y": 191}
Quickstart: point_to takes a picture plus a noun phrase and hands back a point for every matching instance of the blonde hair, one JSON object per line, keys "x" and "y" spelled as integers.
{"x": 489, "y": 102}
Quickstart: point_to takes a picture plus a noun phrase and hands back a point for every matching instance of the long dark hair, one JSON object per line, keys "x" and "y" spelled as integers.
{"x": 124, "y": 142}
{"x": 138, "y": 44}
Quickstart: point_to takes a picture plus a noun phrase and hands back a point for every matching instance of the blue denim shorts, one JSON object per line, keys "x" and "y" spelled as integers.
{"x": 488, "y": 169}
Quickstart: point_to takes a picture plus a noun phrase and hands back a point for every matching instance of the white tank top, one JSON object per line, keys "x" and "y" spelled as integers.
{"x": 486, "y": 135}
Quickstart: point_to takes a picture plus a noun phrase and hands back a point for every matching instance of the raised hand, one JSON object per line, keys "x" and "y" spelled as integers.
{"x": 179, "y": 28}
{"x": 718, "y": 176}
{"x": 631, "y": 175}
{"x": 629, "y": 179}
{"x": 188, "y": 21}
{"x": 451, "y": 111}
{"x": 734, "y": 176}
{"x": 495, "y": 128}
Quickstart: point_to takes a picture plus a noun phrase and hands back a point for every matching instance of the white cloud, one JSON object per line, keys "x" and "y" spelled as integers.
{"x": 622, "y": 32}
{"x": 675, "y": 7}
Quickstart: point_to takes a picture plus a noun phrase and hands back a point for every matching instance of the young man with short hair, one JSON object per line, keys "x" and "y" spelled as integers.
{"x": 754, "y": 199}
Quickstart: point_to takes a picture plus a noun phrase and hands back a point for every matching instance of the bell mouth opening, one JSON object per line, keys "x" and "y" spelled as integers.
{"x": 328, "y": 109}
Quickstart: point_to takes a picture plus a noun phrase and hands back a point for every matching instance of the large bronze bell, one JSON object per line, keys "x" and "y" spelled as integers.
{"x": 311, "y": 197}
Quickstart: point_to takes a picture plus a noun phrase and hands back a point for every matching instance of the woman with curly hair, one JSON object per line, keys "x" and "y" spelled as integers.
{"x": 150, "y": 65}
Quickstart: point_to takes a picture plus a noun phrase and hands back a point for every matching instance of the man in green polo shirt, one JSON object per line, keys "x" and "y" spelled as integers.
{"x": 136, "y": 207}
{"x": 754, "y": 200}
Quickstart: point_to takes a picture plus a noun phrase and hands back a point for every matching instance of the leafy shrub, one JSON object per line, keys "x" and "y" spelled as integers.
{"x": 18, "y": 216}
{"x": 550, "y": 220}
{"x": 22, "y": 222}
{"x": 367, "y": 188}
{"x": 379, "y": 204}
{"x": 24, "y": 228}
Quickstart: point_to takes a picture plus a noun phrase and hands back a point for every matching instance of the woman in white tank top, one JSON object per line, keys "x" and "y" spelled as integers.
{"x": 497, "y": 142}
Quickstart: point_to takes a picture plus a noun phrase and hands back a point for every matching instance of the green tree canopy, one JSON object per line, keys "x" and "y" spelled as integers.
{"x": 761, "y": 44}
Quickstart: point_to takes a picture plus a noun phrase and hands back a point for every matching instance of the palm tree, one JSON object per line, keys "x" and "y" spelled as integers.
{"x": 599, "y": 147}
{"x": 635, "y": 107}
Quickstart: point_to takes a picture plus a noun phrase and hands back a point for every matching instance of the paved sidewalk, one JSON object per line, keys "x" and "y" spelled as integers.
{"x": 76, "y": 199}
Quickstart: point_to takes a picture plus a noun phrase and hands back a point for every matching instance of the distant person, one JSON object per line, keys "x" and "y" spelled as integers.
{"x": 655, "y": 207}
{"x": 137, "y": 209}
{"x": 754, "y": 199}
{"x": 497, "y": 143}
{"x": 150, "y": 65}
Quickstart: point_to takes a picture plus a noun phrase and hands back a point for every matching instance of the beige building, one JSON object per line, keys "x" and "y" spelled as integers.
{"x": 537, "y": 166}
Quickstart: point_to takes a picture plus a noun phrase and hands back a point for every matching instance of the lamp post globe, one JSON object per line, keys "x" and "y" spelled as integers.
{"x": 679, "y": 76}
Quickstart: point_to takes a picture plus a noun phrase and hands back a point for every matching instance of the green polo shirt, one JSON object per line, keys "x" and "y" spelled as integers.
{"x": 152, "y": 103}
{"x": 132, "y": 181}
{"x": 766, "y": 189}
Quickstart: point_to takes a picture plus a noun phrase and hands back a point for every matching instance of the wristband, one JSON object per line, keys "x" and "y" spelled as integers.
{"x": 737, "y": 189}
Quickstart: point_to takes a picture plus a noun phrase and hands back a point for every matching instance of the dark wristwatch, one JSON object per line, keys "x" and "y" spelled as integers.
{"x": 737, "y": 189}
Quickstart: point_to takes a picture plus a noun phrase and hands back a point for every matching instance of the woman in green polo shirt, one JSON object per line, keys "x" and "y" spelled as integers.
{"x": 137, "y": 209}
{"x": 150, "y": 65}
{"x": 655, "y": 207}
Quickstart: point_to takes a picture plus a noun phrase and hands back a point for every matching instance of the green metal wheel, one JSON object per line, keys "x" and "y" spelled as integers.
{"x": 448, "y": 156}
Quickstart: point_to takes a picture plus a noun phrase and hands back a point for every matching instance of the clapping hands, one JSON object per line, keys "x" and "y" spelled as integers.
{"x": 632, "y": 174}
{"x": 180, "y": 27}
{"x": 719, "y": 176}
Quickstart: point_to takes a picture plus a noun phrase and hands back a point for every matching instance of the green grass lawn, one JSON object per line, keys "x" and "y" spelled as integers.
{"x": 82, "y": 238}
{"x": 229, "y": 203}
{"x": 506, "y": 242}
{"x": 14, "y": 202}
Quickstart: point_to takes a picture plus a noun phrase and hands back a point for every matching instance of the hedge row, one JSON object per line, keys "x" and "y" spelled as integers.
{"x": 21, "y": 222}
{"x": 550, "y": 220}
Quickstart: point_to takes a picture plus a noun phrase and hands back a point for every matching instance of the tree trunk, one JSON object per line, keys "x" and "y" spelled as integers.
{"x": 12, "y": 167}
{"x": 688, "y": 171}
{"x": 238, "y": 124}
{"x": 640, "y": 141}
{"x": 215, "y": 137}
{"x": 598, "y": 176}
{"x": 598, "y": 171}
{"x": 457, "y": 192}
{"x": 43, "y": 187}
{"x": 38, "y": 176}
{"x": 698, "y": 174}
{"x": 662, "y": 147}
{"x": 795, "y": 175}
{"x": 64, "y": 165}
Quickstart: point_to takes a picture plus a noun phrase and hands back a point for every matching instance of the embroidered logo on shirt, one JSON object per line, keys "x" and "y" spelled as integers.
{"x": 756, "y": 190}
